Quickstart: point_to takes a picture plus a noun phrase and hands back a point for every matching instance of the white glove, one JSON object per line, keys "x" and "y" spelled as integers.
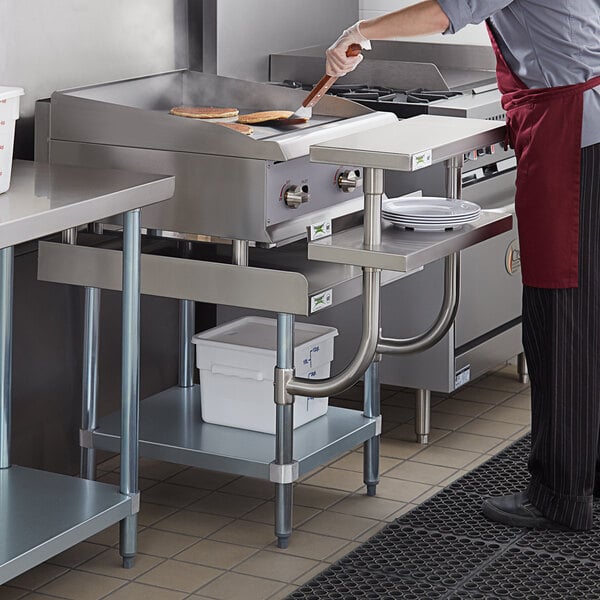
{"x": 338, "y": 63}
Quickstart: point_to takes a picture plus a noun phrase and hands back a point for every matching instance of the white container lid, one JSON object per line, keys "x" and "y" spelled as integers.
{"x": 260, "y": 333}
{"x": 10, "y": 92}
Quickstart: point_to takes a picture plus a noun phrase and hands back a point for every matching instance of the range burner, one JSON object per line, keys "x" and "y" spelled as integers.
{"x": 404, "y": 103}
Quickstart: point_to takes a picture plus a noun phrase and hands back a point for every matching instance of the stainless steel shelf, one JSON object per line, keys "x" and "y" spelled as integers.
{"x": 43, "y": 514}
{"x": 402, "y": 250}
{"x": 411, "y": 144}
{"x": 171, "y": 429}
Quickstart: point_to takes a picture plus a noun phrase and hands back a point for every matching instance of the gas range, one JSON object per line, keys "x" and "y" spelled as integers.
{"x": 406, "y": 78}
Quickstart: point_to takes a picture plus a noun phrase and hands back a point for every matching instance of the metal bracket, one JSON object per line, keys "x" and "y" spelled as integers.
{"x": 281, "y": 379}
{"x": 284, "y": 473}
{"x": 86, "y": 438}
{"x": 135, "y": 503}
{"x": 378, "y": 425}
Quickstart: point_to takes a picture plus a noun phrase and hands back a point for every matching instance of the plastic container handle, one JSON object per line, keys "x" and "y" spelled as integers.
{"x": 237, "y": 372}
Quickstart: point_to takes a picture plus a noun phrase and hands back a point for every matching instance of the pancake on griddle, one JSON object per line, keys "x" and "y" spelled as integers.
{"x": 239, "y": 127}
{"x": 204, "y": 112}
{"x": 265, "y": 116}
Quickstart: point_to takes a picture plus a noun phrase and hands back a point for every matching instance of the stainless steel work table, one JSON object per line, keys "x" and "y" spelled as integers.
{"x": 41, "y": 513}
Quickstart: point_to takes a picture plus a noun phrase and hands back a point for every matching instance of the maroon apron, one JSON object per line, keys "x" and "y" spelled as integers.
{"x": 544, "y": 128}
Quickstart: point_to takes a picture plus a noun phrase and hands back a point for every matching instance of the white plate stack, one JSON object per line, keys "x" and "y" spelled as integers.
{"x": 429, "y": 213}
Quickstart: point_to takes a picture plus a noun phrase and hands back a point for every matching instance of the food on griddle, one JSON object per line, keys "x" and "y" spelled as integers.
{"x": 204, "y": 112}
{"x": 265, "y": 116}
{"x": 239, "y": 127}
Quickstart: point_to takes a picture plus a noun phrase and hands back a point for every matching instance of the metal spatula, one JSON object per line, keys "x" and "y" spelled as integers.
{"x": 304, "y": 113}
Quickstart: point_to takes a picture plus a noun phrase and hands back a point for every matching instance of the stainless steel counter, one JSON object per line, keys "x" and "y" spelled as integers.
{"x": 44, "y": 199}
{"x": 43, "y": 514}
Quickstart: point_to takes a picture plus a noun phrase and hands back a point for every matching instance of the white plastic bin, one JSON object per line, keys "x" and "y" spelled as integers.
{"x": 9, "y": 113}
{"x": 237, "y": 362}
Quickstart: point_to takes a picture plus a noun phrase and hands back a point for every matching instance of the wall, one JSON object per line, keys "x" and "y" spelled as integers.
{"x": 247, "y": 32}
{"x": 45, "y": 46}
{"x": 472, "y": 34}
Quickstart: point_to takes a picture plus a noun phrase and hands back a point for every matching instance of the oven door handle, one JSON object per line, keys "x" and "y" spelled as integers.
{"x": 444, "y": 320}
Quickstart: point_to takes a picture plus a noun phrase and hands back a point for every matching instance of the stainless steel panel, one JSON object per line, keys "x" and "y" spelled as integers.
{"x": 407, "y": 250}
{"x": 398, "y": 65}
{"x": 397, "y": 146}
{"x": 44, "y": 514}
{"x": 171, "y": 429}
{"x": 490, "y": 294}
{"x": 44, "y": 199}
{"x": 490, "y": 353}
{"x": 225, "y": 197}
{"x": 277, "y": 280}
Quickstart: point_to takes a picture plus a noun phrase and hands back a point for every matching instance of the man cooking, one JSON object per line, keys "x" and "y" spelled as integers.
{"x": 548, "y": 69}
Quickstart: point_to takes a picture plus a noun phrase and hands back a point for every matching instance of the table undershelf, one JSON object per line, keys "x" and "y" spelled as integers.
{"x": 45, "y": 513}
{"x": 171, "y": 429}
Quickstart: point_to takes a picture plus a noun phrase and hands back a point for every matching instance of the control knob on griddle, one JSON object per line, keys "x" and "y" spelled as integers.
{"x": 295, "y": 195}
{"x": 348, "y": 181}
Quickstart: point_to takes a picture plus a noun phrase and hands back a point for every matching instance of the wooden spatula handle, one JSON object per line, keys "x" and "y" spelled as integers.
{"x": 327, "y": 81}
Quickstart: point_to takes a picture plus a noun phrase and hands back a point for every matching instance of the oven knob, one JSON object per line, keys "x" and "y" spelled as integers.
{"x": 348, "y": 181}
{"x": 295, "y": 195}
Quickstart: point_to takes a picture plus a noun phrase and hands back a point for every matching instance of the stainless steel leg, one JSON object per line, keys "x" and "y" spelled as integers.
{"x": 130, "y": 386}
{"x": 187, "y": 326}
{"x": 6, "y": 319}
{"x": 90, "y": 378}
{"x": 423, "y": 415}
{"x": 372, "y": 410}
{"x": 522, "y": 369}
{"x": 284, "y": 436}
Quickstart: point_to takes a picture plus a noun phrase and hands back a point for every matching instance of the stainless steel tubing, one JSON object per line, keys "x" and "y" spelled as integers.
{"x": 284, "y": 433}
{"x": 187, "y": 325}
{"x": 373, "y": 190}
{"x": 89, "y": 420}
{"x": 320, "y": 388}
{"x": 69, "y": 236}
{"x": 6, "y": 320}
{"x": 372, "y": 410}
{"x": 239, "y": 252}
{"x": 96, "y": 228}
{"x": 444, "y": 319}
{"x": 522, "y": 369}
{"x": 187, "y": 329}
{"x": 423, "y": 415}
{"x": 130, "y": 379}
{"x": 454, "y": 168}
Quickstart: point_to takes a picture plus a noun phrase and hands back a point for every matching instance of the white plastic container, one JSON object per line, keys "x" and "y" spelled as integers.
{"x": 237, "y": 362}
{"x": 9, "y": 113}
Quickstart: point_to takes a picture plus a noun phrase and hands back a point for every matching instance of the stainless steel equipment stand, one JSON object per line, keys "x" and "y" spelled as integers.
{"x": 172, "y": 430}
{"x": 6, "y": 303}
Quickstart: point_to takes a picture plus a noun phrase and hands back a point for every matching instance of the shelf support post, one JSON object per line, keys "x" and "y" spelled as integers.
{"x": 6, "y": 320}
{"x": 372, "y": 410}
{"x": 89, "y": 416}
{"x": 284, "y": 430}
{"x": 130, "y": 379}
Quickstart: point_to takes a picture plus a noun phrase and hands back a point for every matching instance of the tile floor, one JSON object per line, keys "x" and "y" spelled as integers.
{"x": 207, "y": 535}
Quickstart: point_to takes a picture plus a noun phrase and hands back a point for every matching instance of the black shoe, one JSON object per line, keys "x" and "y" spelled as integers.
{"x": 517, "y": 511}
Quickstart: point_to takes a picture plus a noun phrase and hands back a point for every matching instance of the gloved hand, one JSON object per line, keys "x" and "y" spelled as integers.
{"x": 338, "y": 63}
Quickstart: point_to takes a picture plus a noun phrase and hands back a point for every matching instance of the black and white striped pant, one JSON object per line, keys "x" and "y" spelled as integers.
{"x": 561, "y": 336}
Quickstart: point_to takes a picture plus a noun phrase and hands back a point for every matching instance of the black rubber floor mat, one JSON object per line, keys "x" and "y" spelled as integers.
{"x": 446, "y": 549}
